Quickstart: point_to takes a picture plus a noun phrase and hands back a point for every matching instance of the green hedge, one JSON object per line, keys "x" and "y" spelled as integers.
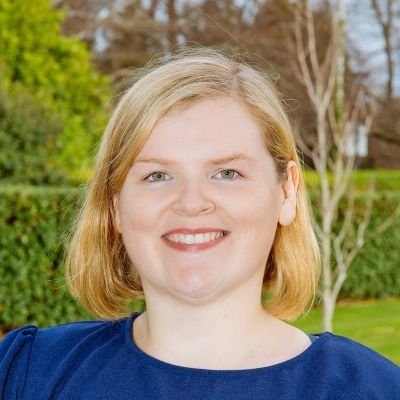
{"x": 375, "y": 272}
{"x": 29, "y": 132}
{"x": 33, "y": 226}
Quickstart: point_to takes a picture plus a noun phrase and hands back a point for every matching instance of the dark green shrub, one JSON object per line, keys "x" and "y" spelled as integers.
{"x": 375, "y": 272}
{"x": 28, "y": 139}
{"x": 32, "y": 225}
{"x": 34, "y": 222}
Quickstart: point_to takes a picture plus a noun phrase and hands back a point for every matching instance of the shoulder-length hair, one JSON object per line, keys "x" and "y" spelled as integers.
{"x": 98, "y": 270}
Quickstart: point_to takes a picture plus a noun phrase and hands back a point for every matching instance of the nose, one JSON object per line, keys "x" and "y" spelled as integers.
{"x": 193, "y": 199}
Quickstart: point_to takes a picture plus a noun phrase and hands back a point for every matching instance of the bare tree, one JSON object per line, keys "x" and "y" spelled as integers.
{"x": 385, "y": 20}
{"x": 338, "y": 118}
{"x": 172, "y": 23}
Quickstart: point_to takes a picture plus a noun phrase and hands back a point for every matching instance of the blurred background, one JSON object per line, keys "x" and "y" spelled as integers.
{"x": 65, "y": 63}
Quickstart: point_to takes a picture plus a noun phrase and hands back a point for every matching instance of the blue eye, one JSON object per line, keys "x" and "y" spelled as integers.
{"x": 157, "y": 173}
{"x": 224, "y": 174}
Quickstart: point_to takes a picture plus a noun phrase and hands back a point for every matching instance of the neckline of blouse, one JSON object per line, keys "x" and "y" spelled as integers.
{"x": 147, "y": 358}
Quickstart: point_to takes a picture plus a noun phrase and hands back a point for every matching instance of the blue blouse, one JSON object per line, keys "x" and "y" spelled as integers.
{"x": 99, "y": 360}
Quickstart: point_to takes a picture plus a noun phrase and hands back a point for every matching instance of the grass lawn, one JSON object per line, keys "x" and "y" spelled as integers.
{"x": 374, "y": 323}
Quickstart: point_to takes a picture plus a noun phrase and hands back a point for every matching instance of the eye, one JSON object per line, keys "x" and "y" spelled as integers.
{"x": 157, "y": 175}
{"x": 229, "y": 173}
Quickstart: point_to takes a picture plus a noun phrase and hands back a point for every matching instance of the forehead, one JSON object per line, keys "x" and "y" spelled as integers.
{"x": 207, "y": 129}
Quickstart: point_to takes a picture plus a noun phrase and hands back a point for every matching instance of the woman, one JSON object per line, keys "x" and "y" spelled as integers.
{"x": 197, "y": 203}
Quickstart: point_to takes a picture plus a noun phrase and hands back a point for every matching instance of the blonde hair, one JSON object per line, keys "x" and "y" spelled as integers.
{"x": 98, "y": 271}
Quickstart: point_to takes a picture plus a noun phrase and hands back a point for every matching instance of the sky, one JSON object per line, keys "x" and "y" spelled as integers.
{"x": 364, "y": 31}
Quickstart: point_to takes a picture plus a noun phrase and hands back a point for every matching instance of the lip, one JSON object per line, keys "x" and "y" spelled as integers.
{"x": 195, "y": 246}
{"x": 189, "y": 231}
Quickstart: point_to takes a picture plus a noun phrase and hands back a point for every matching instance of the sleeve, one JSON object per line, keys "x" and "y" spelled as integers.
{"x": 15, "y": 350}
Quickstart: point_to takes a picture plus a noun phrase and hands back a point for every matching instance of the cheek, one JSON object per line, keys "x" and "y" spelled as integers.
{"x": 138, "y": 213}
{"x": 139, "y": 226}
{"x": 260, "y": 219}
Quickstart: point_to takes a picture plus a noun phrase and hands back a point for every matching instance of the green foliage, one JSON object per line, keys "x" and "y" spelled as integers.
{"x": 34, "y": 222}
{"x": 56, "y": 70}
{"x": 375, "y": 272}
{"x": 28, "y": 133}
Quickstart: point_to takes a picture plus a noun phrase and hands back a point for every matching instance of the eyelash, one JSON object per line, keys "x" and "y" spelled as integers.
{"x": 163, "y": 172}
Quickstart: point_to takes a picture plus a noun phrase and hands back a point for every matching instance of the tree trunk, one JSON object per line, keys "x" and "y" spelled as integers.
{"x": 389, "y": 61}
{"x": 172, "y": 31}
{"x": 329, "y": 309}
{"x": 386, "y": 25}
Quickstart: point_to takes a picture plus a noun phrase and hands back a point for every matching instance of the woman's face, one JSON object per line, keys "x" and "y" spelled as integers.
{"x": 187, "y": 189}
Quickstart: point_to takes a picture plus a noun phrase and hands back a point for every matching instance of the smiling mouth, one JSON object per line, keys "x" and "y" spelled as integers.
{"x": 195, "y": 239}
{"x": 188, "y": 242}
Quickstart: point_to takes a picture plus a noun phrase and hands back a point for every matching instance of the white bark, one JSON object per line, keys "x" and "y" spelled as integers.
{"x": 336, "y": 120}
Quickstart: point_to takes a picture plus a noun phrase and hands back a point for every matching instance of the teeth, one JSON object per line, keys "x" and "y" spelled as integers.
{"x": 191, "y": 239}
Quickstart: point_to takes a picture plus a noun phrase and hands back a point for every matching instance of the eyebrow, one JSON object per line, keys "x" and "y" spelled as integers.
{"x": 218, "y": 161}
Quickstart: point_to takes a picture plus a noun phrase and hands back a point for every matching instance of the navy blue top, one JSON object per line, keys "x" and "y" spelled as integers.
{"x": 100, "y": 360}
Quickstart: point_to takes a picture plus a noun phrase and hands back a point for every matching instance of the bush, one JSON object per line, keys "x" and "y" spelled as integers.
{"x": 57, "y": 71}
{"x": 34, "y": 222}
{"x": 28, "y": 139}
{"x": 375, "y": 272}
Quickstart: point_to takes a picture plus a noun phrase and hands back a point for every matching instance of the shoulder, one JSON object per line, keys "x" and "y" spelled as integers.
{"x": 346, "y": 360}
{"x": 29, "y": 347}
{"x": 65, "y": 334}
{"x": 350, "y": 351}
{"x": 54, "y": 343}
{"x": 15, "y": 351}
{"x": 16, "y": 343}
{"x": 74, "y": 332}
{"x": 19, "y": 341}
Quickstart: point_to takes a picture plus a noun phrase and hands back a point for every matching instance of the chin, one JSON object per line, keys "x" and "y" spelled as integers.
{"x": 196, "y": 299}
{"x": 195, "y": 290}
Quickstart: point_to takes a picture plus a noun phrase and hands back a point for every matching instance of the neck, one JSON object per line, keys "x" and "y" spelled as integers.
{"x": 204, "y": 336}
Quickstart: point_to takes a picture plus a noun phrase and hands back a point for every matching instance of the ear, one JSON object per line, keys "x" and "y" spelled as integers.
{"x": 288, "y": 208}
{"x": 117, "y": 219}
